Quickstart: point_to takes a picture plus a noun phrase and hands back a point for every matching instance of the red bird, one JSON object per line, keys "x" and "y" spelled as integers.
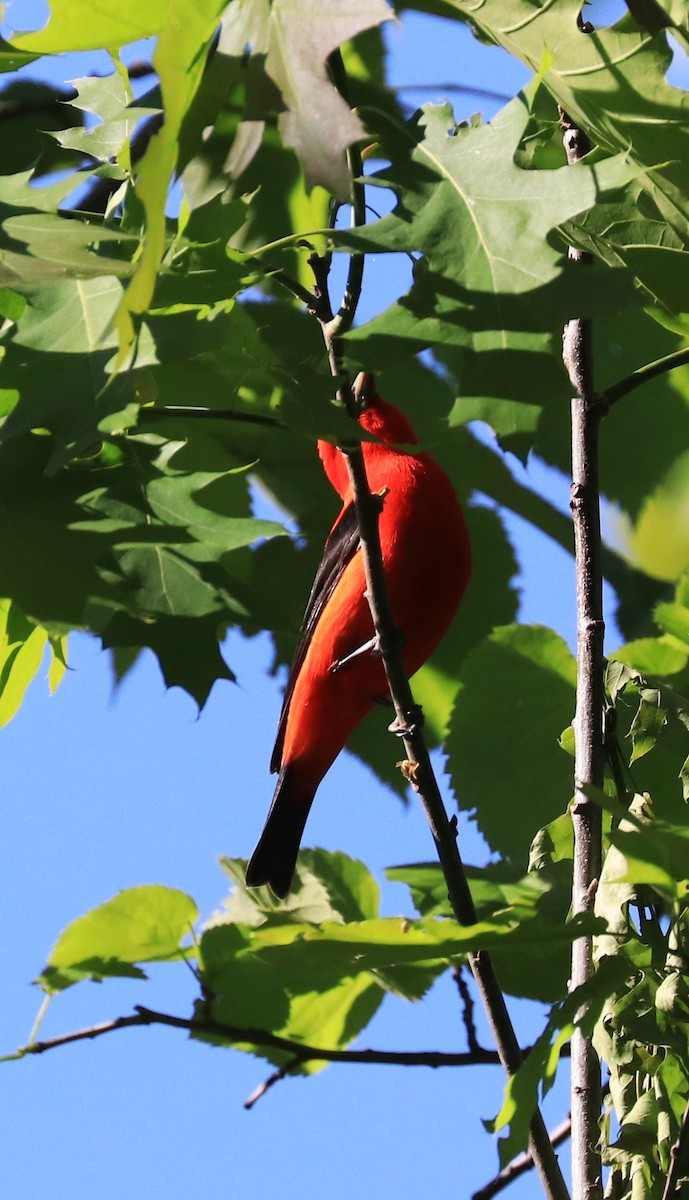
{"x": 335, "y": 679}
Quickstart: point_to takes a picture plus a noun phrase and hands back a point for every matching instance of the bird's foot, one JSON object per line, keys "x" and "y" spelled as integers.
{"x": 392, "y": 640}
{"x": 409, "y": 724}
{"x": 367, "y": 648}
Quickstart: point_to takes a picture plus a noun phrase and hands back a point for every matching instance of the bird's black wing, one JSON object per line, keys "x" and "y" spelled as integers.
{"x": 338, "y": 551}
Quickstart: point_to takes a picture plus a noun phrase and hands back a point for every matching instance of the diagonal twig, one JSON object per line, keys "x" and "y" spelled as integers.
{"x": 679, "y": 1161}
{"x": 519, "y": 1166}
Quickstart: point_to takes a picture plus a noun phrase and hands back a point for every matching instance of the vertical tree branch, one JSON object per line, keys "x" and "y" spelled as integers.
{"x": 587, "y": 409}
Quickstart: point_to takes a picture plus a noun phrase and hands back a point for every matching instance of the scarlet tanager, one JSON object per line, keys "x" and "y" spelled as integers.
{"x": 335, "y": 678}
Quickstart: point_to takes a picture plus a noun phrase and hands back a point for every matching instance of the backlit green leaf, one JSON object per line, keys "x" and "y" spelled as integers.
{"x": 141, "y": 924}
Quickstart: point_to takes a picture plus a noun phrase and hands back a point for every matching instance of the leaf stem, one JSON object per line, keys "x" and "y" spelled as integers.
{"x": 192, "y": 412}
{"x": 278, "y": 275}
{"x": 39, "y": 1019}
{"x": 587, "y": 410}
{"x": 661, "y": 366}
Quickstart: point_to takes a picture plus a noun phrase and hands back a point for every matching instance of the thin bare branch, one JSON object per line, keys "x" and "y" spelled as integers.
{"x": 344, "y": 318}
{"x": 467, "y": 1009}
{"x": 299, "y": 1052}
{"x": 462, "y": 89}
{"x": 519, "y": 1166}
{"x": 275, "y": 1077}
{"x": 323, "y": 312}
{"x": 587, "y": 410}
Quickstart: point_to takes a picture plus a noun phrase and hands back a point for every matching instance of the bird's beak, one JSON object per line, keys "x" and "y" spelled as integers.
{"x": 364, "y": 391}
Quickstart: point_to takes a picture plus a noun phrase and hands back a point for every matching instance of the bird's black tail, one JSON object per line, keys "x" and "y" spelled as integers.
{"x": 275, "y": 857}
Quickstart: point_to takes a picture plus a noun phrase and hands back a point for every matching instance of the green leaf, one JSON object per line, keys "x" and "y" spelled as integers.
{"x": 659, "y": 539}
{"x": 323, "y": 982}
{"x": 11, "y": 59}
{"x": 76, "y": 25}
{"x": 31, "y": 109}
{"x": 639, "y": 1133}
{"x": 653, "y": 656}
{"x": 203, "y": 502}
{"x": 613, "y": 84}
{"x": 47, "y": 566}
{"x": 553, "y": 844}
{"x": 12, "y": 305}
{"x": 184, "y": 38}
{"x": 296, "y": 37}
{"x": 59, "y": 248}
{"x": 248, "y": 993}
{"x": 80, "y": 548}
{"x": 505, "y": 251}
{"x": 516, "y": 695}
{"x": 333, "y": 1018}
{"x": 57, "y": 358}
{"x": 22, "y": 647}
{"x": 543, "y": 895}
{"x": 58, "y": 662}
{"x": 187, "y": 649}
{"x": 653, "y": 852}
{"x": 110, "y": 99}
{"x": 647, "y": 245}
{"x": 660, "y": 716}
{"x": 386, "y": 942}
{"x": 328, "y": 887}
{"x": 648, "y": 724}
{"x": 674, "y": 619}
{"x": 141, "y": 924}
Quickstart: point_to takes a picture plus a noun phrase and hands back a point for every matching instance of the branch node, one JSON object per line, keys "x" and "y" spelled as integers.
{"x": 408, "y": 724}
{"x": 410, "y": 771}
